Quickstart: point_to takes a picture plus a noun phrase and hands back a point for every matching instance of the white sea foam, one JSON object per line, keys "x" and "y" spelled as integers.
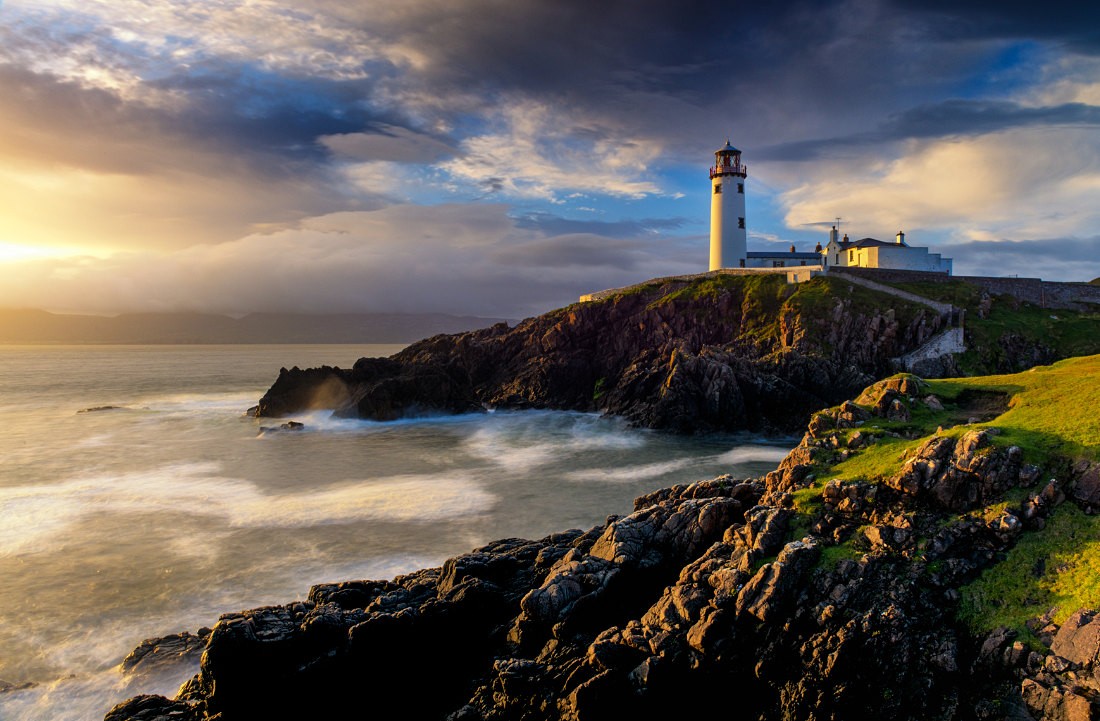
{"x": 754, "y": 454}
{"x": 31, "y": 514}
{"x": 527, "y": 440}
{"x": 620, "y": 474}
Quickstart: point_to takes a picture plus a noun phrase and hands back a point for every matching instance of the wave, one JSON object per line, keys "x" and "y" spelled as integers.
{"x": 524, "y": 440}
{"x": 30, "y": 515}
{"x": 754, "y": 454}
{"x": 632, "y": 473}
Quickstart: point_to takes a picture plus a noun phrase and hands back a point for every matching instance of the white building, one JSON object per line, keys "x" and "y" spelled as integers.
{"x": 872, "y": 253}
{"x": 727, "y": 210}
{"x": 779, "y": 259}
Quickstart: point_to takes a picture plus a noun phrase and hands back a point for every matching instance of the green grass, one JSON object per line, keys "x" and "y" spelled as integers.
{"x": 1056, "y": 567}
{"x": 874, "y": 462}
{"x": 1053, "y": 410}
{"x": 1065, "y": 333}
{"x": 832, "y": 555}
{"x": 1051, "y": 415}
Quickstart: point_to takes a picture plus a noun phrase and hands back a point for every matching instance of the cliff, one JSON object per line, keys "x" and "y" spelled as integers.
{"x": 926, "y": 552}
{"x": 724, "y": 352}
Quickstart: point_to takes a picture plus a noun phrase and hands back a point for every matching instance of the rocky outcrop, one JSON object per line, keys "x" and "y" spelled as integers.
{"x": 726, "y": 353}
{"x": 155, "y": 653}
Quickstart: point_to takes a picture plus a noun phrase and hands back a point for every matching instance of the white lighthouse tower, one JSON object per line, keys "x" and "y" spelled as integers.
{"x": 728, "y": 245}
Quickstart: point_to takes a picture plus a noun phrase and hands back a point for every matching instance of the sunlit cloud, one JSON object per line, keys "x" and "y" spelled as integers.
{"x": 539, "y": 152}
{"x": 1026, "y": 183}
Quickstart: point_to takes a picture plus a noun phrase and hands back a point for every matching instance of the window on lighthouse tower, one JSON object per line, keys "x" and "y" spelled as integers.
{"x": 718, "y": 189}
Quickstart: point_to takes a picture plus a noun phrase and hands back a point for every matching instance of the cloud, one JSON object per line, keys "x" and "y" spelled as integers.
{"x": 458, "y": 258}
{"x": 555, "y": 224}
{"x": 282, "y": 132}
{"x": 1066, "y": 21}
{"x": 1025, "y": 183}
{"x": 388, "y": 143}
{"x": 535, "y": 151}
{"x": 950, "y": 118}
{"x": 1071, "y": 259}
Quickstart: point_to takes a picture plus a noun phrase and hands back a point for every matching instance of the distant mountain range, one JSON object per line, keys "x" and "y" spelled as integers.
{"x": 37, "y": 326}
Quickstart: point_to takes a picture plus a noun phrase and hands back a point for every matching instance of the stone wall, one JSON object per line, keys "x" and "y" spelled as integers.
{"x": 1046, "y": 294}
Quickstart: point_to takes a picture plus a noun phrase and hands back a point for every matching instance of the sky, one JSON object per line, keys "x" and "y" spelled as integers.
{"x": 501, "y": 157}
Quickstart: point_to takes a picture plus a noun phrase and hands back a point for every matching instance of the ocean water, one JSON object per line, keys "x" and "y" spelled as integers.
{"x": 169, "y": 507}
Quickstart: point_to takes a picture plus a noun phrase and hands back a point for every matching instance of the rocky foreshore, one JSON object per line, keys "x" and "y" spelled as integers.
{"x": 773, "y": 598}
{"x": 726, "y": 353}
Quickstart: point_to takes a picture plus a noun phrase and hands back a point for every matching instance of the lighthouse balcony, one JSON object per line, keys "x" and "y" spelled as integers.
{"x": 738, "y": 170}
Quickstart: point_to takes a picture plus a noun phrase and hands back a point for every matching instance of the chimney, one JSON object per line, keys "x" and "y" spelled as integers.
{"x": 818, "y": 248}
{"x": 792, "y": 248}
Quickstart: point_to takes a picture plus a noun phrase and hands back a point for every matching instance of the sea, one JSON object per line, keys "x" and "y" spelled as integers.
{"x": 137, "y": 499}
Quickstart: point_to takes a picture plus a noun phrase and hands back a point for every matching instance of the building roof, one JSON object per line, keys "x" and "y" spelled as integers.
{"x": 727, "y": 148}
{"x": 868, "y": 243}
{"x": 784, "y": 255}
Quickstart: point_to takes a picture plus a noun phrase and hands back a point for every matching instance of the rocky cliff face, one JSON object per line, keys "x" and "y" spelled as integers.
{"x": 722, "y": 353}
{"x": 725, "y": 597}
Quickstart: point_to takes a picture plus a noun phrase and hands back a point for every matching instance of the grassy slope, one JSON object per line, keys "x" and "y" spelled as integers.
{"x": 1068, "y": 333}
{"x": 1051, "y": 416}
{"x": 1054, "y": 413}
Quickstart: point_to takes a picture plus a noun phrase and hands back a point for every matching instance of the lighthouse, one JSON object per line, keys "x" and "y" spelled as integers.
{"x": 728, "y": 246}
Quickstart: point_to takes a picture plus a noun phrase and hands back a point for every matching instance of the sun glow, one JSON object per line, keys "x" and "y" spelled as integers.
{"x": 14, "y": 252}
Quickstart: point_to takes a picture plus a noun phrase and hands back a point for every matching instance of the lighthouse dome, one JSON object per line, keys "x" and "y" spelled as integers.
{"x": 727, "y": 149}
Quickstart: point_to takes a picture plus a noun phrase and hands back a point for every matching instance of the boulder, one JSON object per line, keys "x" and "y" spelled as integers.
{"x": 1078, "y": 640}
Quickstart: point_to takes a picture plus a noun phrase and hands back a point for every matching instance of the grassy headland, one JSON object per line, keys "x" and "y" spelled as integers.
{"x": 1049, "y": 412}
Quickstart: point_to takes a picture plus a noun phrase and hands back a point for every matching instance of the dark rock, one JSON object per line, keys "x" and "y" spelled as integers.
{"x": 1086, "y": 487}
{"x": 659, "y": 357}
{"x": 6, "y": 686}
{"x": 154, "y": 708}
{"x": 288, "y": 426}
{"x": 99, "y": 409}
{"x": 1078, "y": 640}
{"x": 155, "y": 653}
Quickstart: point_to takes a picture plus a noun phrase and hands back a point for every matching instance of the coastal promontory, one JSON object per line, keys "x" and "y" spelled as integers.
{"x": 710, "y": 353}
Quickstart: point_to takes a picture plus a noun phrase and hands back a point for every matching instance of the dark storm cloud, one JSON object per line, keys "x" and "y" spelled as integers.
{"x": 258, "y": 122}
{"x": 946, "y": 119}
{"x": 1072, "y": 22}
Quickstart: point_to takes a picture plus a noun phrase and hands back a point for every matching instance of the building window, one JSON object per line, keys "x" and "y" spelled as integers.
{"x": 718, "y": 189}
{"x": 836, "y": 261}
{"x": 777, "y": 264}
{"x": 802, "y": 263}
{"x": 740, "y": 222}
{"x": 851, "y": 255}
{"x": 742, "y": 262}
{"x": 740, "y": 187}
